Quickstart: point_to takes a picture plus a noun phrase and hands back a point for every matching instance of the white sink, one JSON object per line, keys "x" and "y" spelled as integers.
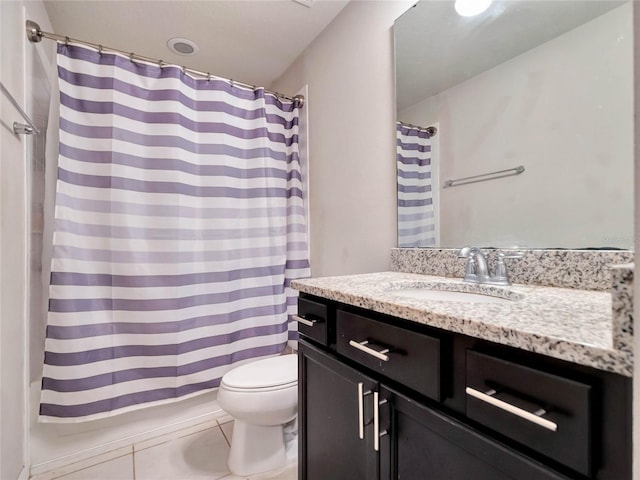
{"x": 447, "y": 296}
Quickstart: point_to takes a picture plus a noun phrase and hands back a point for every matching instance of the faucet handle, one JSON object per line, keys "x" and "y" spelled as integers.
{"x": 470, "y": 274}
{"x": 501, "y": 276}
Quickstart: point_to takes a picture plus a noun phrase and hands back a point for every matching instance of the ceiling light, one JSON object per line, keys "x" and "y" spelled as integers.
{"x": 182, "y": 46}
{"x": 469, "y": 8}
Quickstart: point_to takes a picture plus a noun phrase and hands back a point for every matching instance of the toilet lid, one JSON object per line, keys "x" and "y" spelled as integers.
{"x": 269, "y": 372}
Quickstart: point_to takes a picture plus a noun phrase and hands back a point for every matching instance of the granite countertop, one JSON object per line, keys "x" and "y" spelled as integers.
{"x": 569, "y": 324}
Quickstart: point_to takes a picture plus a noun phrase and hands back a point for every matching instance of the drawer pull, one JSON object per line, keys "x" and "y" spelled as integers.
{"x": 532, "y": 417}
{"x": 304, "y": 321}
{"x": 374, "y": 353}
{"x": 361, "y": 395}
{"x": 376, "y": 421}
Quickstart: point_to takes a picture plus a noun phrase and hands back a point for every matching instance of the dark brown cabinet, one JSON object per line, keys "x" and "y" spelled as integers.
{"x": 331, "y": 419}
{"x": 382, "y": 398}
{"x": 339, "y": 425}
{"x": 563, "y": 406}
{"x": 425, "y": 443}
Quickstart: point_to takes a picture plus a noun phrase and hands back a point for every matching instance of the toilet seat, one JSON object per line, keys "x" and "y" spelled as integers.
{"x": 269, "y": 374}
{"x": 262, "y": 389}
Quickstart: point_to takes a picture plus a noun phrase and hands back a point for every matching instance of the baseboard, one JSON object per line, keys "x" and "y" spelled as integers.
{"x": 124, "y": 446}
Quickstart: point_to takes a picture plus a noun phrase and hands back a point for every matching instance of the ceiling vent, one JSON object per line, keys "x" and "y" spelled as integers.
{"x": 182, "y": 46}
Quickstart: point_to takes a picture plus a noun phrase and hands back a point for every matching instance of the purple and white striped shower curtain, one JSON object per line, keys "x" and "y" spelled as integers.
{"x": 416, "y": 214}
{"x": 179, "y": 224}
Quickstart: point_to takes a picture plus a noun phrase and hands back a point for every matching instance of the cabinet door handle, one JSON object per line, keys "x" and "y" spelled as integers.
{"x": 376, "y": 421}
{"x": 374, "y": 353}
{"x": 531, "y": 417}
{"x": 361, "y": 395}
{"x": 304, "y": 321}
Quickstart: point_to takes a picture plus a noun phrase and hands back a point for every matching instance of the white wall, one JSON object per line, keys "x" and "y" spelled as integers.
{"x": 18, "y": 62}
{"x": 350, "y": 73}
{"x": 578, "y": 185}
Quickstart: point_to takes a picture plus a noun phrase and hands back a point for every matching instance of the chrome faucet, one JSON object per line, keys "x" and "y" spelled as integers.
{"x": 477, "y": 269}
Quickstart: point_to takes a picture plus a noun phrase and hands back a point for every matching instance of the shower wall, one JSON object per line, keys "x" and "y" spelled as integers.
{"x": 18, "y": 155}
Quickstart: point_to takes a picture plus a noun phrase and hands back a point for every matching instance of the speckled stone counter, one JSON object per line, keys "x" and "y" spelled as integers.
{"x": 569, "y": 324}
{"x": 622, "y": 300}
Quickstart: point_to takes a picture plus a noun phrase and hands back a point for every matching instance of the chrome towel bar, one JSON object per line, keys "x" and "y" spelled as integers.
{"x": 20, "y": 128}
{"x": 509, "y": 172}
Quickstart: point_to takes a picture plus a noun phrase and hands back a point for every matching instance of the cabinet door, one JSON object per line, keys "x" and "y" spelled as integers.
{"x": 335, "y": 411}
{"x": 422, "y": 443}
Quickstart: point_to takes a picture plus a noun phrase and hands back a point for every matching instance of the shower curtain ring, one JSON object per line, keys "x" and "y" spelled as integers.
{"x": 66, "y": 41}
{"x": 131, "y": 57}
{"x": 100, "y": 50}
{"x": 160, "y": 63}
{"x": 208, "y": 77}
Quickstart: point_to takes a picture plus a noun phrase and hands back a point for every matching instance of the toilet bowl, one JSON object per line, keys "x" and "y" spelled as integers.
{"x": 262, "y": 397}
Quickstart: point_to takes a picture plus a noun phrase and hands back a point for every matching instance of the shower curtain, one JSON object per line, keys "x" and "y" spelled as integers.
{"x": 416, "y": 214}
{"x": 179, "y": 223}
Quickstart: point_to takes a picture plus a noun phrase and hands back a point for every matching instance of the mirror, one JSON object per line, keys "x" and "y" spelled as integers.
{"x": 546, "y": 86}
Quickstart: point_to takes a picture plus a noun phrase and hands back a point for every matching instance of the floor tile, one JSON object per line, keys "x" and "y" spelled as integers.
{"x": 224, "y": 419}
{"x": 288, "y": 472}
{"x": 152, "y": 442}
{"x": 120, "y": 468}
{"x": 227, "y": 429}
{"x": 202, "y": 455}
{"x": 66, "y": 469}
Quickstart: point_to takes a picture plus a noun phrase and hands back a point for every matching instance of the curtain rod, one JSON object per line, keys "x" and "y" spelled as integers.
{"x": 431, "y": 131}
{"x": 35, "y": 35}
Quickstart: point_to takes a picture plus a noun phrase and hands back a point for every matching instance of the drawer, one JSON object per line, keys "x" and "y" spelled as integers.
{"x": 410, "y": 358}
{"x": 312, "y": 320}
{"x": 547, "y": 413}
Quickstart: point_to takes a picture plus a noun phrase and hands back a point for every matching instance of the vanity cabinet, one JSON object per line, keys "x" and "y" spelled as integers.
{"x": 422, "y": 442}
{"x": 336, "y": 442}
{"x": 339, "y": 426}
{"x": 383, "y": 398}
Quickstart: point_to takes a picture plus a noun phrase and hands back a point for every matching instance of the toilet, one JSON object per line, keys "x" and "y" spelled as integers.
{"x": 262, "y": 397}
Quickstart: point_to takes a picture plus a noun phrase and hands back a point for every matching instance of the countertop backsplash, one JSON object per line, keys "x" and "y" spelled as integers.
{"x": 580, "y": 269}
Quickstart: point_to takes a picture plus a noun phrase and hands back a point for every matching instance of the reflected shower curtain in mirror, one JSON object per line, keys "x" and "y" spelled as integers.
{"x": 179, "y": 223}
{"x": 416, "y": 220}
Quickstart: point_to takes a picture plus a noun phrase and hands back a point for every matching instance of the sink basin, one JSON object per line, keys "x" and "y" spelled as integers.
{"x": 447, "y": 296}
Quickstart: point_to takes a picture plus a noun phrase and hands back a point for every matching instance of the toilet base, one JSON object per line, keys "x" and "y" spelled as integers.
{"x": 256, "y": 448}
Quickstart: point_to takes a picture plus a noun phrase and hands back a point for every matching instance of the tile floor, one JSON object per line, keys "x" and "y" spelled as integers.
{"x": 200, "y": 455}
